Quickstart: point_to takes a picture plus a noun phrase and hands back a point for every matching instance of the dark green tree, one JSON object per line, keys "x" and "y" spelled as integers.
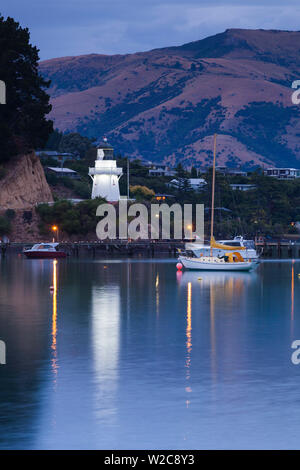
{"x": 75, "y": 143}
{"x": 23, "y": 123}
{"x": 180, "y": 171}
{"x": 54, "y": 140}
{"x": 194, "y": 173}
{"x": 4, "y": 225}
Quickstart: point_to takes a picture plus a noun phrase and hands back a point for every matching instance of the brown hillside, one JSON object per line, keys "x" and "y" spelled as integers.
{"x": 166, "y": 103}
{"x": 24, "y": 184}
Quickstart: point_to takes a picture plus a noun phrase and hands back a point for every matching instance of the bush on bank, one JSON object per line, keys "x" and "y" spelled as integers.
{"x": 71, "y": 218}
{"x": 5, "y": 226}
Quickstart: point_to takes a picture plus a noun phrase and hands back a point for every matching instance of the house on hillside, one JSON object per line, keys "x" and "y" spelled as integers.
{"x": 283, "y": 173}
{"x": 224, "y": 170}
{"x": 242, "y": 187}
{"x": 160, "y": 170}
{"x": 60, "y": 157}
{"x": 58, "y": 171}
{"x": 196, "y": 183}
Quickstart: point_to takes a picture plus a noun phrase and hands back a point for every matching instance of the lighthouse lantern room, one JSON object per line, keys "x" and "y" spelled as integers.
{"x": 105, "y": 174}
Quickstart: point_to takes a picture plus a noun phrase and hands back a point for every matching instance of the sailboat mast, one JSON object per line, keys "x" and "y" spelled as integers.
{"x": 213, "y": 196}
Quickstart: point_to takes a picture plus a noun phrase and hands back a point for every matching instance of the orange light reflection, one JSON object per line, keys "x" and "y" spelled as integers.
{"x": 54, "y": 319}
{"x": 188, "y": 389}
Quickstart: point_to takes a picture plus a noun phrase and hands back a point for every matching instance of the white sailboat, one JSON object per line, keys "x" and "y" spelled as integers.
{"x": 232, "y": 260}
{"x": 213, "y": 263}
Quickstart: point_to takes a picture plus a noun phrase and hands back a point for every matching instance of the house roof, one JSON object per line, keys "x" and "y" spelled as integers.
{"x": 197, "y": 180}
{"x": 274, "y": 168}
{"x": 53, "y": 153}
{"x": 191, "y": 180}
{"x": 58, "y": 169}
{"x": 218, "y": 209}
{"x": 244, "y": 185}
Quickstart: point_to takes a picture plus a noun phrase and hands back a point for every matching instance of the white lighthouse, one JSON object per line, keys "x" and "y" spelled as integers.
{"x": 105, "y": 174}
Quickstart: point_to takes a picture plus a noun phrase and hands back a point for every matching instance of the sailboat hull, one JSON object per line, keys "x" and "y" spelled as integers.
{"x": 202, "y": 265}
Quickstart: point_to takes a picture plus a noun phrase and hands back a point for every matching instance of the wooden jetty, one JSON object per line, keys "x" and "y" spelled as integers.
{"x": 267, "y": 249}
{"x": 109, "y": 247}
{"x": 279, "y": 249}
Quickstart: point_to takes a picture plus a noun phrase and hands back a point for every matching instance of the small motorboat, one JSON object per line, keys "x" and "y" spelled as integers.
{"x": 44, "y": 250}
{"x": 245, "y": 247}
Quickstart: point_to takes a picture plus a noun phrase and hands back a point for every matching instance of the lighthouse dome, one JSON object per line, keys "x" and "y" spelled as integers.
{"x": 103, "y": 144}
{"x": 104, "y": 150}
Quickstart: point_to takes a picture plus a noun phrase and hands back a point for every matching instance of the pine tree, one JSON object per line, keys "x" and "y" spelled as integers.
{"x": 23, "y": 125}
{"x": 180, "y": 172}
{"x": 194, "y": 173}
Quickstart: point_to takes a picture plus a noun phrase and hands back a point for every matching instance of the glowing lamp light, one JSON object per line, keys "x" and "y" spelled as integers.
{"x": 54, "y": 229}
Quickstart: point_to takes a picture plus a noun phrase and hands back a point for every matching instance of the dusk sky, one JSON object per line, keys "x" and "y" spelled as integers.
{"x": 73, "y": 27}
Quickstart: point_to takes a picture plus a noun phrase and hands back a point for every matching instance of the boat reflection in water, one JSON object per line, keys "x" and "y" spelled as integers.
{"x": 224, "y": 292}
{"x": 231, "y": 281}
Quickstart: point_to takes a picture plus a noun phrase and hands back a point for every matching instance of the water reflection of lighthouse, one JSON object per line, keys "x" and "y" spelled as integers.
{"x": 106, "y": 345}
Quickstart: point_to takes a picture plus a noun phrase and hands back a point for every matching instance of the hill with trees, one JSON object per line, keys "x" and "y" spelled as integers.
{"x": 165, "y": 104}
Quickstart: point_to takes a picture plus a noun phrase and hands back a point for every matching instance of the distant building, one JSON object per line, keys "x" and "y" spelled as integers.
{"x": 283, "y": 173}
{"x": 196, "y": 183}
{"x": 230, "y": 171}
{"x": 58, "y": 171}
{"x": 58, "y": 156}
{"x": 242, "y": 187}
{"x": 160, "y": 170}
{"x": 202, "y": 169}
{"x": 147, "y": 164}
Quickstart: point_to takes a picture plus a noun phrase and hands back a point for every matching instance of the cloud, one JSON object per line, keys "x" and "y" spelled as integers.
{"x": 252, "y": 17}
{"x": 72, "y": 27}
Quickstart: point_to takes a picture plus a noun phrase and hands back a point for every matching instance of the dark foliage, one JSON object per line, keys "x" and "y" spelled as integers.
{"x": 5, "y": 226}
{"x": 72, "y": 219}
{"x": 23, "y": 125}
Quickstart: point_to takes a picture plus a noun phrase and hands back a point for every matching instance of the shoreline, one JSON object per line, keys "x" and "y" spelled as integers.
{"x": 274, "y": 250}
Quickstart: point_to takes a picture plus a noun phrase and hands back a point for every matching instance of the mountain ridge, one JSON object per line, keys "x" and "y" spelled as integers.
{"x": 165, "y": 104}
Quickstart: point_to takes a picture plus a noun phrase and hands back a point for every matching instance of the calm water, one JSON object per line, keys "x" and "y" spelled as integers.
{"x": 130, "y": 354}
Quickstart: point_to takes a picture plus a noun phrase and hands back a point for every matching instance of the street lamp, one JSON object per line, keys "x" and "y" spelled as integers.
{"x": 54, "y": 229}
